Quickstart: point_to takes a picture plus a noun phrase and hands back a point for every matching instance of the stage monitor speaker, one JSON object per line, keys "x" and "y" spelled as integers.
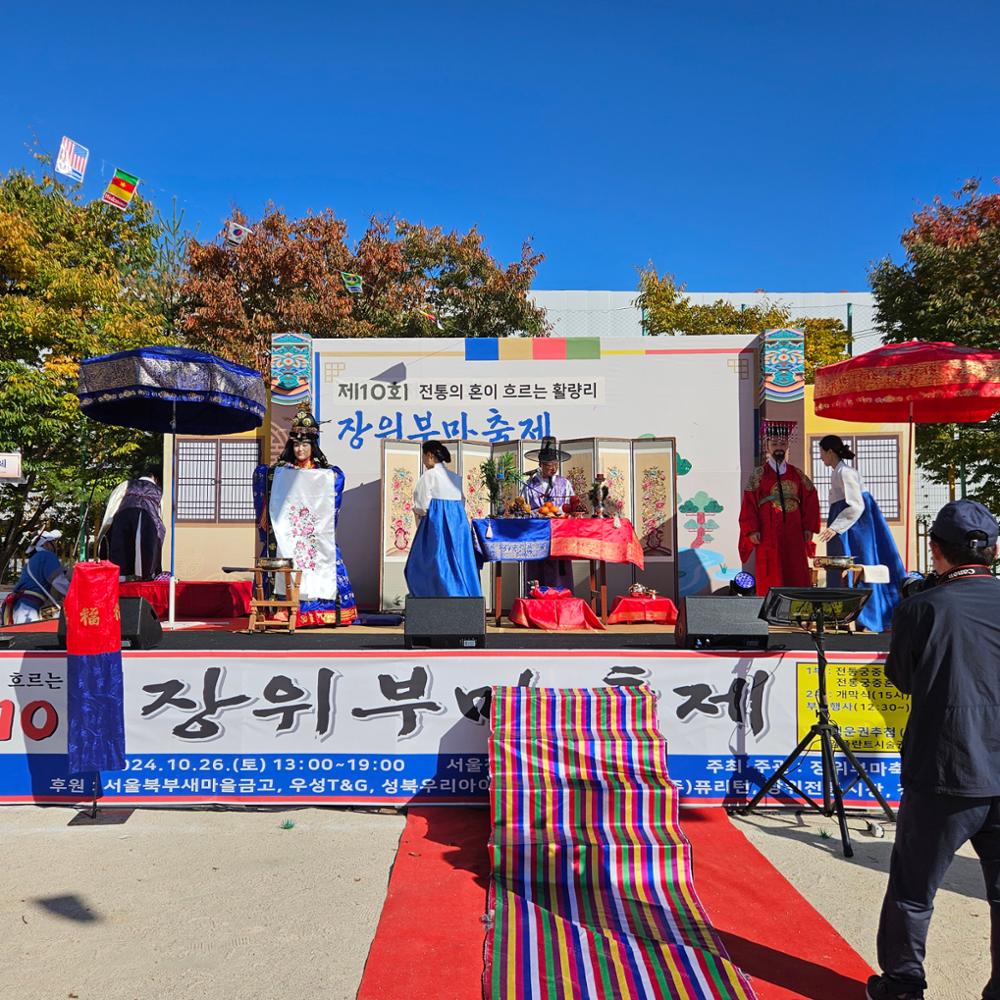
{"x": 445, "y": 623}
{"x": 721, "y": 623}
{"x": 140, "y": 628}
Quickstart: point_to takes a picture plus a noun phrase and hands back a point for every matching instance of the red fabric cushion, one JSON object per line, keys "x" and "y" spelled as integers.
{"x": 559, "y": 614}
{"x": 654, "y": 610}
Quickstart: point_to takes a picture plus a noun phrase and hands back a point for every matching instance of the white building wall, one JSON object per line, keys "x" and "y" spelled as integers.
{"x": 614, "y": 314}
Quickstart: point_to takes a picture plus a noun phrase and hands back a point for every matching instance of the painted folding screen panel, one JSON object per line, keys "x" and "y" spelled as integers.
{"x": 579, "y": 468}
{"x": 401, "y": 468}
{"x": 467, "y": 462}
{"x": 654, "y": 501}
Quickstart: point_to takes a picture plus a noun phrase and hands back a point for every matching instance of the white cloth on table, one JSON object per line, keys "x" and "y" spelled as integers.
{"x": 303, "y": 512}
{"x": 437, "y": 483}
{"x": 846, "y": 485}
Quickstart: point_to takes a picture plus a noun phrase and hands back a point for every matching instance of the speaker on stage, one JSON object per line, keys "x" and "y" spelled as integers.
{"x": 721, "y": 623}
{"x": 140, "y": 628}
{"x": 445, "y": 623}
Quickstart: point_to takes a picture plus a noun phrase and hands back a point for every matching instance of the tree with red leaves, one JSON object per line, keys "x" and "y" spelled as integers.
{"x": 948, "y": 288}
{"x": 416, "y": 281}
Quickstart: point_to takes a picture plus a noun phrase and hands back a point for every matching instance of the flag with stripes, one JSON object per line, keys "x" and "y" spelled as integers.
{"x": 121, "y": 190}
{"x": 72, "y": 159}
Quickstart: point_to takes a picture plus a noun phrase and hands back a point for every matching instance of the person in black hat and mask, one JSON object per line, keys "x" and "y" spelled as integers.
{"x": 945, "y": 653}
{"x": 543, "y": 486}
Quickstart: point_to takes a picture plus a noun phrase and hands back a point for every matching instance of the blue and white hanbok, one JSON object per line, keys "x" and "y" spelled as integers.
{"x": 441, "y": 562}
{"x": 862, "y": 532}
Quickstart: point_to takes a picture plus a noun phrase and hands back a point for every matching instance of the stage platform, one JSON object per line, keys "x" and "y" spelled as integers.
{"x": 231, "y": 635}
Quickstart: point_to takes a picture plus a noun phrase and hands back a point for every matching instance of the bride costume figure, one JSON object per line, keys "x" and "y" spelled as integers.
{"x": 297, "y": 501}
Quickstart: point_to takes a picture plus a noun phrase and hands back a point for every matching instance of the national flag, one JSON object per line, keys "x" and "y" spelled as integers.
{"x": 352, "y": 282}
{"x": 95, "y": 703}
{"x": 72, "y": 159}
{"x": 235, "y": 234}
{"x": 121, "y": 190}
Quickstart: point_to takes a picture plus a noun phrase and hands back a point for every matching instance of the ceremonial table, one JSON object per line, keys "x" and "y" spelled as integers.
{"x": 643, "y": 610}
{"x": 517, "y": 539}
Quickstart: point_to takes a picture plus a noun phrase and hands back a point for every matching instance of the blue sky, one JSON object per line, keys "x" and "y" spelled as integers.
{"x": 779, "y": 145}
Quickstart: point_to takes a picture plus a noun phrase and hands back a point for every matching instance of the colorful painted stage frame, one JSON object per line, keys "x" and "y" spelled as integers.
{"x": 373, "y": 728}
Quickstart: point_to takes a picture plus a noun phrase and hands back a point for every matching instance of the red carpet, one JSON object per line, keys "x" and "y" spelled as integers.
{"x": 430, "y": 937}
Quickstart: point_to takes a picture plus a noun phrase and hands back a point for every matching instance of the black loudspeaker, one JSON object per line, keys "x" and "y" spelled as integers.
{"x": 721, "y": 623}
{"x": 445, "y": 623}
{"x": 140, "y": 627}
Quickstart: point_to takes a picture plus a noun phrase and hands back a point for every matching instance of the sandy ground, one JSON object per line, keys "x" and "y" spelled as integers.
{"x": 191, "y": 905}
{"x": 848, "y": 892}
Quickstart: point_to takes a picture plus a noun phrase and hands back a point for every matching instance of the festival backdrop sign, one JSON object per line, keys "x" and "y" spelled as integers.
{"x": 369, "y": 728}
{"x": 700, "y": 390}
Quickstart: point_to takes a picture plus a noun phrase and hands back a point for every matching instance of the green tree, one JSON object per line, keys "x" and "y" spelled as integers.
{"x": 71, "y": 276}
{"x": 946, "y": 289}
{"x": 416, "y": 281}
{"x": 667, "y": 310}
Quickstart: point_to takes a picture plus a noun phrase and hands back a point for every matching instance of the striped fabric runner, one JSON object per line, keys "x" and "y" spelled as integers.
{"x": 592, "y": 889}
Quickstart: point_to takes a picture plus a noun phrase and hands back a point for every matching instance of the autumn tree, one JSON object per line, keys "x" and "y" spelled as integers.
{"x": 946, "y": 289}
{"x": 667, "y": 310}
{"x": 416, "y": 281}
{"x": 70, "y": 277}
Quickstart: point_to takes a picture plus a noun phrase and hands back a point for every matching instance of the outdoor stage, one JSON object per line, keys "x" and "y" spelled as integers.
{"x": 350, "y": 717}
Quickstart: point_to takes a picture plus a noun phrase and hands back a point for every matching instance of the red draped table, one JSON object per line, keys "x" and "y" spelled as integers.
{"x": 643, "y": 610}
{"x": 195, "y": 598}
{"x": 554, "y": 614}
{"x": 600, "y": 540}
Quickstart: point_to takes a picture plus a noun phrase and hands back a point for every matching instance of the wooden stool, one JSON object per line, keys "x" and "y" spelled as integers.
{"x": 262, "y": 608}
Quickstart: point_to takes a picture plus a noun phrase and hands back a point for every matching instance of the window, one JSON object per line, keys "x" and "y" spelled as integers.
{"x": 214, "y": 479}
{"x": 877, "y": 459}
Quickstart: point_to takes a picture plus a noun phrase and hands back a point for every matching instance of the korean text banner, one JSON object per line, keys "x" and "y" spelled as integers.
{"x": 368, "y": 728}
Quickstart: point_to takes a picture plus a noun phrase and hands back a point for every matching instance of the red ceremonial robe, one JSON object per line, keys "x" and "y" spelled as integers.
{"x": 782, "y": 517}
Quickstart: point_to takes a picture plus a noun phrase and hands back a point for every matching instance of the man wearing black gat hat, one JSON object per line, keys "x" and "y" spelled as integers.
{"x": 945, "y": 653}
{"x": 543, "y": 486}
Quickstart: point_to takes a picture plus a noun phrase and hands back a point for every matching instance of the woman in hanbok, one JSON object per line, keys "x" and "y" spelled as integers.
{"x": 42, "y": 585}
{"x": 441, "y": 562}
{"x": 856, "y": 527}
{"x": 298, "y": 505}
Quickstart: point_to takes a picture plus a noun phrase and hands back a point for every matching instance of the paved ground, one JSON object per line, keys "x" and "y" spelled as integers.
{"x": 849, "y": 894}
{"x": 191, "y": 905}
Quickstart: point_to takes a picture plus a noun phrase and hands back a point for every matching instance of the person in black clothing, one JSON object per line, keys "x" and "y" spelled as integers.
{"x": 945, "y": 653}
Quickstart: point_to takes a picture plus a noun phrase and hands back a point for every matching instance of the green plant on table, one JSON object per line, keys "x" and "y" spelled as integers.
{"x": 498, "y": 473}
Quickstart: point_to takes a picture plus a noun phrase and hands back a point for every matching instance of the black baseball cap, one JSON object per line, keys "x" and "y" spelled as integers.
{"x": 957, "y": 521}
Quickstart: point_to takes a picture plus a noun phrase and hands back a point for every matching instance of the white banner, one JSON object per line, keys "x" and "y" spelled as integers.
{"x": 368, "y": 728}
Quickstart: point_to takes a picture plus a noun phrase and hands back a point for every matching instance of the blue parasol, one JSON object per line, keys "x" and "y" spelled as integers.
{"x": 171, "y": 390}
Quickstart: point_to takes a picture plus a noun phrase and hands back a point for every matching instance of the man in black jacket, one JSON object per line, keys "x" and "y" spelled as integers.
{"x": 945, "y": 653}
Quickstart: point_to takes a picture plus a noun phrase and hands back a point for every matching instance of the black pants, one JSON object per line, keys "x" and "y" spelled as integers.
{"x": 929, "y": 830}
{"x": 134, "y": 545}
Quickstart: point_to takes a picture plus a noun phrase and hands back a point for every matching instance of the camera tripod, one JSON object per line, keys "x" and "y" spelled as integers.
{"x": 827, "y": 732}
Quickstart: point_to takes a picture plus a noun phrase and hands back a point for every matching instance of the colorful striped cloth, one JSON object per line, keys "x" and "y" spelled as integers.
{"x": 592, "y": 889}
